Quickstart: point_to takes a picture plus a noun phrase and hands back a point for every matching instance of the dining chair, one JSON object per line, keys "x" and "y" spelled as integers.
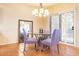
{"x": 28, "y": 40}
{"x": 53, "y": 41}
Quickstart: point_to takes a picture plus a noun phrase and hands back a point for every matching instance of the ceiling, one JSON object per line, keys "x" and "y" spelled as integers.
{"x": 38, "y": 4}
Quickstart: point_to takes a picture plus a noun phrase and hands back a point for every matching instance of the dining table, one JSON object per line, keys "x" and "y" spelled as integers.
{"x": 37, "y": 35}
{"x": 40, "y": 36}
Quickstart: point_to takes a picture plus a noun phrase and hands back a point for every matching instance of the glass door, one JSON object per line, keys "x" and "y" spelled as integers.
{"x": 54, "y": 22}
{"x": 67, "y": 27}
{"x": 27, "y": 26}
{"x": 64, "y": 22}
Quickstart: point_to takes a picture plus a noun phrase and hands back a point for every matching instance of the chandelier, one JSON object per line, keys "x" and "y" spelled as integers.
{"x": 40, "y": 11}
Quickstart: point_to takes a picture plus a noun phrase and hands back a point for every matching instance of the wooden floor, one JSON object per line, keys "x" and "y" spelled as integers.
{"x": 17, "y": 50}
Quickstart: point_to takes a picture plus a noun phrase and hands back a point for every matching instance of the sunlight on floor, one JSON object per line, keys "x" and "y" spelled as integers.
{"x": 17, "y": 50}
{"x": 21, "y": 47}
{"x": 31, "y": 51}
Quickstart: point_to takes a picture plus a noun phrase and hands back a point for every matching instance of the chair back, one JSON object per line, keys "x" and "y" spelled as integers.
{"x": 55, "y": 37}
{"x": 25, "y": 35}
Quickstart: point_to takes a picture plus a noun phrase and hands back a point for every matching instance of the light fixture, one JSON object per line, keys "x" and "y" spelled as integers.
{"x": 40, "y": 11}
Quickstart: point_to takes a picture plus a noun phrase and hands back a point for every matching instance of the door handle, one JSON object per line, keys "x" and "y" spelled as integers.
{"x": 72, "y": 28}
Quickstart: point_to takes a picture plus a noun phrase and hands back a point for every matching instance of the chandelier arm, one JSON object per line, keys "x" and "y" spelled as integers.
{"x": 41, "y": 11}
{"x": 41, "y": 5}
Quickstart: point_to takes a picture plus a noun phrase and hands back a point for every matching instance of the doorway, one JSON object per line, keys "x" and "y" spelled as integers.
{"x": 64, "y": 22}
{"x": 27, "y": 25}
{"x": 67, "y": 27}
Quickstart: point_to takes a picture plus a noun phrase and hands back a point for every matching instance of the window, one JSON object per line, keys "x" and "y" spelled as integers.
{"x": 64, "y": 22}
{"x": 54, "y": 22}
{"x": 67, "y": 27}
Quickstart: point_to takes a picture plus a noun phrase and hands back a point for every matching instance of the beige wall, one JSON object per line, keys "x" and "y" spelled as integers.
{"x": 9, "y": 15}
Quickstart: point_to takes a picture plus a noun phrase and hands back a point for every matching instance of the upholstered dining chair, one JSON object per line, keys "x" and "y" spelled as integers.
{"x": 28, "y": 40}
{"x": 52, "y": 42}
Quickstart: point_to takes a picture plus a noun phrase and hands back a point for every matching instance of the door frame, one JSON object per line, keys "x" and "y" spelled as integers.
{"x": 61, "y": 22}
{"x": 19, "y": 27}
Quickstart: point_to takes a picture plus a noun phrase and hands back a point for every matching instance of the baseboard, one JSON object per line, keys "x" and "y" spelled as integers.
{"x": 8, "y": 43}
{"x": 73, "y": 45}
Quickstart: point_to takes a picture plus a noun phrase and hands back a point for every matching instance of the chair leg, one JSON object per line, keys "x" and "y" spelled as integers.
{"x": 41, "y": 47}
{"x": 24, "y": 47}
{"x": 58, "y": 49}
{"x": 35, "y": 45}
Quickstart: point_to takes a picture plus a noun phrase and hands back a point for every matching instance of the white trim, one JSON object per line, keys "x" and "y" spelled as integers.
{"x": 64, "y": 11}
{"x": 8, "y": 43}
{"x": 74, "y": 20}
{"x": 73, "y": 45}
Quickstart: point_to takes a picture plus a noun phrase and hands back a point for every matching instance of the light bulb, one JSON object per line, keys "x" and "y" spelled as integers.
{"x": 40, "y": 14}
{"x": 41, "y": 10}
{"x": 46, "y": 12}
{"x": 35, "y": 12}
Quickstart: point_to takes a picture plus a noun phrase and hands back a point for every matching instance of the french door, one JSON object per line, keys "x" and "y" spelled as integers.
{"x": 27, "y": 26}
{"x": 67, "y": 27}
{"x": 64, "y": 22}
